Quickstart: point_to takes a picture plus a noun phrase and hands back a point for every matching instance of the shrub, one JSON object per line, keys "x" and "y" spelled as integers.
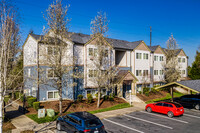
{"x": 140, "y": 92}
{"x": 146, "y": 94}
{"x": 106, "y": 97}
{"x": 146, "y": 89}
{"x": 111, "y": 98}
{"x": 96, "y": 95}
{"x": 154, "y": 91}
{"x": 80, "y": 98}
{"x": 36, "y": 105}
{"x": 28, "y": 97}
{"x": 89, "y": 98}
{"x": 18, "y": 94}
{"x": 22, "y": 98}
{"x": 31, "y": 100}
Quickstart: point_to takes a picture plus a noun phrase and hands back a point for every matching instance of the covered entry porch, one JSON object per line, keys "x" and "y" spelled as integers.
{"x": 126, "y": 84}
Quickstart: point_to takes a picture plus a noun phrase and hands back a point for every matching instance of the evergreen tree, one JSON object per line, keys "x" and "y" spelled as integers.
{"x": 194, "y": 73}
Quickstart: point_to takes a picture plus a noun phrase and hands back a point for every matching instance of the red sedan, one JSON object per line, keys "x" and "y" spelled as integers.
{"x": 169, "y": 108}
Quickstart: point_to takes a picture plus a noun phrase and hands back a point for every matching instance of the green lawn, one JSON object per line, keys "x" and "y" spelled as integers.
{"x": 168, "y": 96}
{"x": 118, "y": 106}
{"x": 49, "y": 119}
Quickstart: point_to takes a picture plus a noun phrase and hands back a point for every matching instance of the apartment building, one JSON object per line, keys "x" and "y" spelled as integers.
{"x": 139, "y": 65}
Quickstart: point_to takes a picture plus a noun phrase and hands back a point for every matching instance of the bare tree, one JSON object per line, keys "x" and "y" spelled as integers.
{"x": 172, "y": 69}
{"x": 171, "y": 72}
{"x": 103, "y": 70}
{"x": 59, "y": 54}
{"x": 9, "y": 39}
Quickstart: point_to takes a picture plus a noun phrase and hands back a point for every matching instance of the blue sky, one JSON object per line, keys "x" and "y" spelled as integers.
{"x": 129, "y": 19}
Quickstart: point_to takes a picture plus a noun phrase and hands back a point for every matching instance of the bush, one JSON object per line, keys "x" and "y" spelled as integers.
{"x": 80, "y": 98}
{"x": 89, "y": 98}
{"x": 18, "y": 94}
{"x": 146, "y": 94}
{"x": 154, "y": 91}
{"x": 146, "y": 89}
{"x": 96, "y": 95}
{"x": 31, "y": 100}
{"x": 36, "y": 105}
{"x": 28, "y": 97}
{"x": 106, "y": 97}
{"x": 111, "y": 98}
{"x": 22, "y": 98}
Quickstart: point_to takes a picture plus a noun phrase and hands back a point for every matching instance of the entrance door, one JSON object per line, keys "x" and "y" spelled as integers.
{"x": 124, "y": 90}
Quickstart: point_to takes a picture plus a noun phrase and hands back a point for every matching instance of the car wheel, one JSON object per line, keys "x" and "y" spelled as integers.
{"x": 170, "y": 114}
{"x": 197, "y": 107}
{"x": 149, "y": 109}
{"x": 58, "y": 126}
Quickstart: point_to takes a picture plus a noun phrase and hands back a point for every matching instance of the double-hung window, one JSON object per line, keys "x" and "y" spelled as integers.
{"x": 52, "y": 95}
{"x": 145, "y": 72}
{"x": 138, "y": 72}
{"x": 155, "y": 72}
{"x": 179, "y": 60}
{"x": 51, "y": 73}
{"x": 145, "y": 56}
{"x": 138, "y": 55}
{"x": 161, "y": 58}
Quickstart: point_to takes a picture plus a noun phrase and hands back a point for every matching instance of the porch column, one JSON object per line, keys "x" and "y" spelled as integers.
{"x": 133, "y": 88}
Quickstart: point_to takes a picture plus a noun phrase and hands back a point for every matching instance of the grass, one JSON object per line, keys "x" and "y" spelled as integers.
{"x": 118, "y": 106}
{"x": 43, "y": 120}
{"x": 168, "y": 96}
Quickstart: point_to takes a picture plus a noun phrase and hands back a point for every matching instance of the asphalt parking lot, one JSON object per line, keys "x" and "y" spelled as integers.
{"x": 144, "y": 122}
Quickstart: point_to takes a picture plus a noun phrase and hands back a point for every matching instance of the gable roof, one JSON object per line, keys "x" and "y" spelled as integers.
{"x": 177, "y": 51}
{"x": 122, "y": 74}
{"x": 153, "y": 48}
{"x": 193, "y": 85}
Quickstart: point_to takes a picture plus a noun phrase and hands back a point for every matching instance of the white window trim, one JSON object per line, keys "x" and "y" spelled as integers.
{"x": 53, "y": 95}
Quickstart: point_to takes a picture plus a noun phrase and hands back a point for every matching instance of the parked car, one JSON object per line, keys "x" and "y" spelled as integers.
{"x": 189, "y": 101}
{"x": 169, "y": 108}
{"x": 80, "y": 122}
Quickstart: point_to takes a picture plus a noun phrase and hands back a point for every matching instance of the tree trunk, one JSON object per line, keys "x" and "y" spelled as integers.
{"x": 1, "y": 115}
{"x": 171, "y": 91}
{"x": 99, "y": 96}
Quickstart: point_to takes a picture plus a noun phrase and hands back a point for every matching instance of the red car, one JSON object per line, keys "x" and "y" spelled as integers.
{"x": 169, "y": 108}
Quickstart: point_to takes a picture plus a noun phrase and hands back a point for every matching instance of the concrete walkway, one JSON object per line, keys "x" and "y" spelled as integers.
{"x": 22, "y": 122}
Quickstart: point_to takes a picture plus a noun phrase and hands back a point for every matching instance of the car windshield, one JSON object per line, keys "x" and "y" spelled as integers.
{"x": 177, "y": 105}
{"x": 92, "y": 123}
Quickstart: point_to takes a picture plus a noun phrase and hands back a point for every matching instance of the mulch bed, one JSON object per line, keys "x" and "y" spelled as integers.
{"x": 8, "y": 126}
{"x": 151, "y": 96}
{"x": 70, "y": 106}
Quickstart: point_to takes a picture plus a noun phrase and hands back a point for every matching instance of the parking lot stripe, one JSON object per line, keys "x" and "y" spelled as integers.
{"x": 191, "y": 115}
{"x": 123, "y": 126}
{"x": 148, "y": 121}
{"x": 164, "y": 117}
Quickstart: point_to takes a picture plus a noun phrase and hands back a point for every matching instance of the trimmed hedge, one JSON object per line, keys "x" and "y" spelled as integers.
{"x": 31, "y": 101}
{"x": 89, "y": 98}
{"x": 36, "y": 105}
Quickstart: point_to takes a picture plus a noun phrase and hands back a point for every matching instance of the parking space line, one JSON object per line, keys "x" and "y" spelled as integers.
{"x": 164, "y": 117}
{"x": 148, "y": 121}
{"x": 123, "y": 126}
{"x": 191, "y": 115}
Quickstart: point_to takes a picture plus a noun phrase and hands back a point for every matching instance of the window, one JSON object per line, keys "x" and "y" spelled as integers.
{"x": 95, "y": 52}
{"x": 183, "y": 60}
{"x": 155, "y": 72}
{"x": 93, "y": 73}
{"x": 34, "y": 91}
{"x": 138, "y": 55}
{"x": 159, "y": 104}
{"x": 52, "y": 50}
{"x": 183, "y": 71}
{"x": 91, "y": 52}
{"x": 52, "y": 95}
{"x": 161, "y": 72}
{"x": 161, "y": 58}
{"x": 51, "y": 73}
{"x": 145, "y": 72}
{"x": 138, "y": 72}
{"x": 155, "y": 58}
{"x": 145, "y": 56}
{"x": 29, "y": 72}
{"x": 179, "y": 60}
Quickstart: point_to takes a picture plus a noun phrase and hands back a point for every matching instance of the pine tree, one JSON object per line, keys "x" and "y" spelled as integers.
{"x": 194, "y": 73}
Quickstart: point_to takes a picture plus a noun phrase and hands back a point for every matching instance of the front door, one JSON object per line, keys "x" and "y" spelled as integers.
{"x": 124, "y": 90}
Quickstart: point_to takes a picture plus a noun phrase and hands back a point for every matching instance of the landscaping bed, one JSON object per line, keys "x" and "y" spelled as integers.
{"x": 7, "y": 126}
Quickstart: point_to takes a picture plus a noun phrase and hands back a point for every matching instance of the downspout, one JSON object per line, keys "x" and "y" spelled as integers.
{"x": 38, "y": 92}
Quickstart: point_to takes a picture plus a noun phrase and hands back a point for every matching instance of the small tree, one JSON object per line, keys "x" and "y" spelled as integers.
{"x": 104, "y": 70}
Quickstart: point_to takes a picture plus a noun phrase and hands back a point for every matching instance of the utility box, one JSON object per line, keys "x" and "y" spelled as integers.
{"x": 50, "y": 112}
{"x": 41, "y": 113}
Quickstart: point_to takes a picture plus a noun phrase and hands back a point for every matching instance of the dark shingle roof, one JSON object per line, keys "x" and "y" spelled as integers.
{"x": 177, "y": 50}
{"x": 153, "y": 48}
{"x": 193, "y": 84}
{"x": 84, "y": 38}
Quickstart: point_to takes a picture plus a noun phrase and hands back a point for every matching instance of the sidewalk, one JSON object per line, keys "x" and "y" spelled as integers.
{"x": 24, "y": 123}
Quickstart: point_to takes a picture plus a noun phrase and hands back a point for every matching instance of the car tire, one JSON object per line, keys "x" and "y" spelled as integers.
{"x": 149, "y": 109}
{"x": 170, "y": 114}
{"x": 197, "y": 107}
{"x": 58, "y": 126}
